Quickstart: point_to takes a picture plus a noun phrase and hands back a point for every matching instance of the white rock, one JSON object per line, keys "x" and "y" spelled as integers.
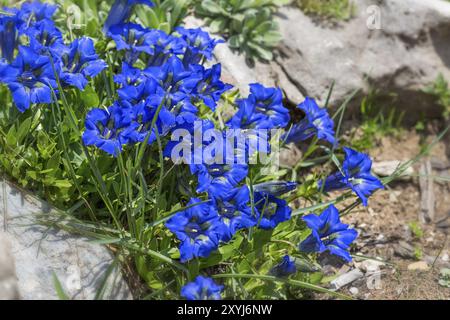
{"x": 388, "y": 168}
{"x": 346, "y": 279}
{"x": 354, "y": 291}
{"x": 418, "y": 266}
{"x": 40, "y": 252}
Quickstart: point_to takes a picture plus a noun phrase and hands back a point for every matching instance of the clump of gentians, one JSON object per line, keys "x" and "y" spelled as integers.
{"x": 164, "y": 92}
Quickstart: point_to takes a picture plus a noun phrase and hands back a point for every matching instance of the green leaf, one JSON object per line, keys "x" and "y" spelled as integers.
{"x": 90, "y": 97}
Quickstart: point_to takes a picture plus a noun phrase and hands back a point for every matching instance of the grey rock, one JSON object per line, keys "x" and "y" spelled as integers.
{"x": 346, "y": 279}
{"x": 407, "y": 53}
{"x": 404, "y": 250}
{"x": 403, "y": 56}
{"x": 8, "y": 281}
{"x": 388, "y": 168}
{"x": 41, "y": 253}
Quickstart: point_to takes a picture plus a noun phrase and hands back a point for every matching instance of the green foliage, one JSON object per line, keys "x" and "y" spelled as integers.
{"x": 416, "y": 230}
{"x": 334, "y": 9}
{"x": 444, "y": 279}
{"x": 375, "y": 124}
{"x": 248, "y": 24}
{"x": 441, "y": 90}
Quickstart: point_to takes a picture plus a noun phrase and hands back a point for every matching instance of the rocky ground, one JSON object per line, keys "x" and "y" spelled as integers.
{"x": 410, "y": 253}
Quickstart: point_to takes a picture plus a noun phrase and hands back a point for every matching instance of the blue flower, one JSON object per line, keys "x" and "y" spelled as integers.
{"x": 355, "y": 175}
{"x": 135, "y": 85}
{"x": 199, "y": 45}
{"x": 30, "y": 77}
{"x": 209, "y": 89}
{"x": 46, "y": 38}
{"x": 285, "y": 268}
{"x": 79, "y": 62}
{"x": 121, "y": 11}
{"x": 175, "y": 81}
{"x": 271, "y": 210}
{"x": 37, "y": 11}
{"x": 263, "y": 109}
{"x": 199, "y": 229}
{"x": 317, "y": 122}
{"x": 134, "y": 39}
{"x": 108, "y": 129}
{"x": 234, "y": 211}
{"x": 219, "y": 179}
{"x": 165, "y": 47}
{"x": 328, "y": 233}
{"x": 275, "y": 188}
{"x": 202, "y": 289}
{"x": 9, "y": 24}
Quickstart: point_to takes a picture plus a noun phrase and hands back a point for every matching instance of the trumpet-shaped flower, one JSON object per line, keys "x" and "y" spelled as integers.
{"x": 285, "y": 268}
{"x": 271, "y": 210}
{"x": 134, "y": 39}
{"x": 79, "y": 62}
{"x": 199, "y": 229}
{"x": 46, "y": 38}
{"x": 355, "y": 175}
{"x": 328, "y": 233}
{"x": 35, "y": 11}
{"x": 121, "y": 11}
{"x": 263, "y": 109}
{"x": 234, "y": 211}
{"x": 30, "y": 77}
{"x": 9, "y": 25}
{"x": 219, "y": 179}
{"x": 317, "y": 122}
{"x": 202, "y": 289}
{"x": 199, "y": 45}
{"x": 108, "y": 129}
{"x": 175, "y": 81}
{"x": 210, "y": 88}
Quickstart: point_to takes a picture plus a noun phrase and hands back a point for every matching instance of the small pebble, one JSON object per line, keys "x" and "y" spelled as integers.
{"x": 419, "y": 266}
{"x": 354, "y": 291}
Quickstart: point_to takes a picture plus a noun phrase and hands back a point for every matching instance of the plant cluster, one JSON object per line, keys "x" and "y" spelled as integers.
{"x": 334, "y": 9}
{"x": 96, "y": 117}
{"x": 248, "y": 24}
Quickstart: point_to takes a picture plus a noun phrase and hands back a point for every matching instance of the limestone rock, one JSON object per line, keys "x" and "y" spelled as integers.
{"x": 41, "y": 253}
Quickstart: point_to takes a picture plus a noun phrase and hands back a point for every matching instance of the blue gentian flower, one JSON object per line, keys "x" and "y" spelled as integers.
{"x": 199, "y": 229}
{"x": 9, "y": 24}
{"x": 30, "y": 77}
{"x": 275, "y": 188}
{"x": 135, "y": 85}
{"x": 263, "y": 109}
{"x": 219, "y": 179}
{"x": 235, "y": 212}
{"x": 328, "y": 233}
{"x": 317, "y": 122}
{"x": 108, "y": 129}
{"x": 175, "y": 81}
{"x": 165, "y": 47}
{"x": 202, "y": 289}
{"x": 46, "y": 38}
{"x": 285, "y": 268}
{"x": 195, "y": 152}
{"x": 132, "y": 38}
{"x": 36, "y": 11}
{"x": 355, "y": 175}
{"x": 199, "y": 45}
{"x": 79, "y": 62}
{"x": 210, "y": 88}
{"x": 121, "y": 11}
{"x": 271, "y": 210}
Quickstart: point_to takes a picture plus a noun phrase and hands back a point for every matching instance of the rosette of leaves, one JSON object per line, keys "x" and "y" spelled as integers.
{"x": 248, "y": 24}
{"x": 331, "y": 9}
